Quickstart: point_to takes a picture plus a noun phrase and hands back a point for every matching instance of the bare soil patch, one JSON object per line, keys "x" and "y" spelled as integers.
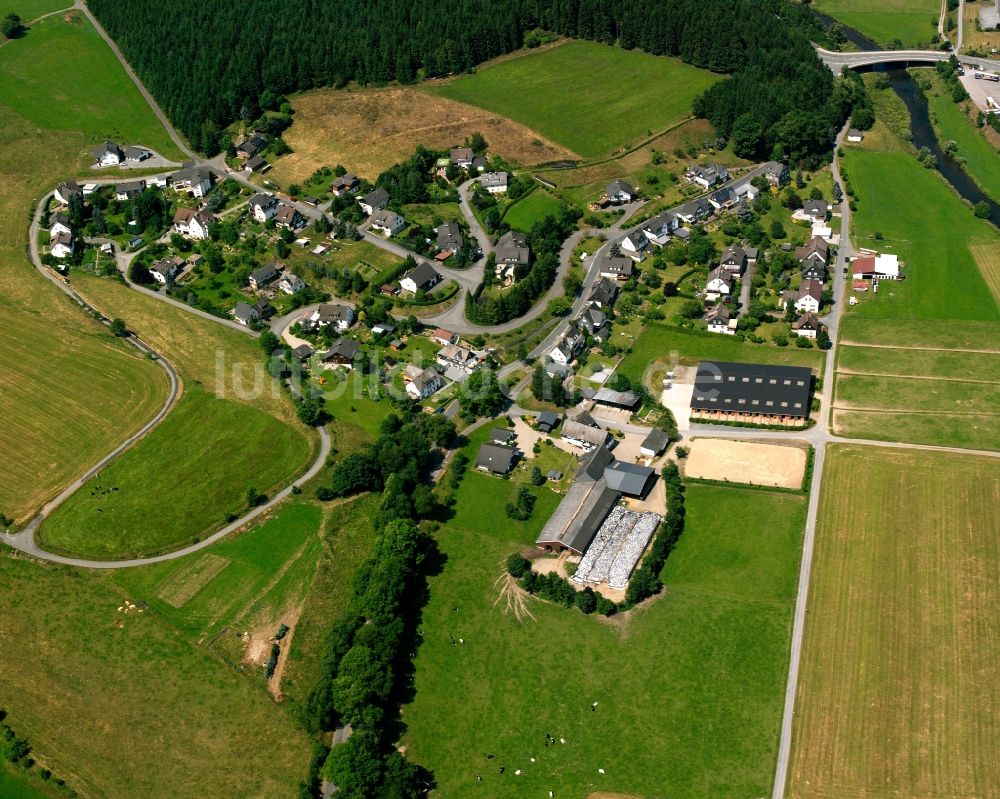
{"x": 513, "y": 598}
{"x": 368, "y": 131}
{"x": 746, "y": 462}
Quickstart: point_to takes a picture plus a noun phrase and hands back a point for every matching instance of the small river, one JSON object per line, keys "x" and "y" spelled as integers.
{"x": 921, "y": 130}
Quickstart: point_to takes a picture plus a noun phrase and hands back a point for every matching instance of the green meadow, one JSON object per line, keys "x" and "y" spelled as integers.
{"x": 583, "y": 95}
{"x": 89, "y": 92}
{"x": 689, "y": 687}
{"x": 930, "y": 229}
{"x": 913, "y": 22}
{"x": 523, "y": 214}
{"x": 660, "y": 344}
{"x": 179, "y": 482}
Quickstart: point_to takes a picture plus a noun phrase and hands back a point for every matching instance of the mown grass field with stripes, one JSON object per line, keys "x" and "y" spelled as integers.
{"x": 897, "y": 691}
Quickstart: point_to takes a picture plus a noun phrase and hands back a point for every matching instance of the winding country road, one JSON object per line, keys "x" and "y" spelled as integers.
{"x": 24, "y": 541}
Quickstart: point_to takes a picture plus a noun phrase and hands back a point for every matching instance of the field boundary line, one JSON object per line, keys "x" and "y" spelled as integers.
{"x": 912, "y": 347}
{"x": 858, "y": 373}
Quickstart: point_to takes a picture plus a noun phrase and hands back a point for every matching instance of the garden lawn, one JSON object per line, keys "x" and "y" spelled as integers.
{"x": 180, "y": 482}
{"x": 564, "y": 91}
{"x": 689, "y": 688}
{"x": 345, "y": 402}
{"x": 900, "y": 658}
{"x": 271, "y": 564}
{"x": 942, "y": 281}
{"x": 981, "y": 158}
{"x": 913, "y": 22}
{"x": 120, "y": 705}
{"x": 523, "y": 214}
{"x": 666, "y": 345}
{"x": 37, "y": 81}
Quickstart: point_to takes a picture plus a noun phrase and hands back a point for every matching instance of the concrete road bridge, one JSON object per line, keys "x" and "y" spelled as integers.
{"x": 908, "y": 58}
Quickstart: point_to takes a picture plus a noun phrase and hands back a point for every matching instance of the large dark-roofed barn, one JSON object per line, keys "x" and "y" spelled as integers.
{"x": 751, "y": 392}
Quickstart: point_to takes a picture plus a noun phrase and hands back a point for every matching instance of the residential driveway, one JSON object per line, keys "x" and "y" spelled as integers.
{"x": 155, "y": 161}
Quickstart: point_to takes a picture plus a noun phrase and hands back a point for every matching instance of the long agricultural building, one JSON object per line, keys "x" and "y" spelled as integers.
{"x": 751, "y": 392}
{"x": 589, "y": 522}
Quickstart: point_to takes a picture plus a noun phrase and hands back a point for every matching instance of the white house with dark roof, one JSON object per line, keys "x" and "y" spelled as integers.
{"x": 659, "y": 228}
{"x": 813, "y": 211}
{"x": 707, "y": 175}
{"x": 135, "y": 155}
{"x": 65, "y": 191}
{"x": 193, "y": 223}
{"x": 618, "y": 192}
{"x": 719, "y": 283}
{"x": 423, "y": 384}
{"x": 807, "y": 325}
{"x": 807, "y": 298}
{"x": 494, "y": 182}
{"x": 512, "y": 253}
{"x": 263, "y": 207}
{"x": 374, "y": 201}
{"x": 108, "y": 154}
{"x": 59, "y": 223}
{"x": 197, "y": 180}
{"x": 290, "y": 283}
{"x": 462, "y": 157}
{"x": 340, "y": 316}
{"x": 720, "y": 319}
{"x": 263, "y": 277}
{"x": 345, "y": 184}
{"x": 287, "y": 216}
{"x": 616, "y": 267}
{"x": 388, "y": 223}
{"x": 130, "y": 190}
{"x": 634, "y": 244}
{"x": 568, "y": 348}
{"x": 61, "y": 245}
{"x": 776, "y": 173}
{"x": 733, "y": 259}
{"x": 245, "y": 314}
{"x": 423, "y": 277}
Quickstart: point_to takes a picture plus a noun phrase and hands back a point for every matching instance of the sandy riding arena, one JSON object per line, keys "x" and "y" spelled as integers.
{"x": 746, "y": 462}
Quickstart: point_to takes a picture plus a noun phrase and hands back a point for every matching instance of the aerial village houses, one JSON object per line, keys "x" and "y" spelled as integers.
{"x": 341, "y": 317}
{"x": 494, "y": 182}
{"x": 263, "y": 207}
{"x": 421, "y": 383}
{"x": 776, "y": 173}
{"x": 618, "y": 192}
{"x": 807, "y": 298}
{"x": 375, "y": 200}
{"x": 658, "y": 229}
{"x": 130, "y": 190}
{"x": 454, "y": 356}
{"x": 876, "y": 267}
{"x": 814, "y": 258}
{"x": 755, "y": 393}
{"x": 695, "y": 211}
{"x": 388, "y": 223}
{"x": 343, "y": 352}
{"x": 733, "y": 260}
{"x": 290, "y": 283}
{"x": 196, "y": 180}
{"x": 193, "y": 224}
{"x": 512, "y": 255}
{"x": 604, "y": 294}
{"x": 462, "y": 157}
{"x": 423, "y": 277}
{"x": 616, "y": 267}
{"x": 569, "y": 346}
{"x": 61, "y": 245}
{"x": 707, "y": 175}
{"x": 807, "y": 325}
{"x": 720, "y": 320}
{"x": 256, "y": 163}
{"x": 719, "y": 284}
{"x": 288, "y": 217}
{"x": 166, "y": 269}
{"x": 109, "y": 154}
{"x": 251, "y": 147}
{"x": 245, "y": 314}
{"x": 59, "y": 223}
{"x": 64, "y": 191}
{"x": 345, "y": 184}
{"x": 449, "y": 237}
{"x": 584, "y": 436}
{"x": 263, "y": 277}
{"x": 634, "y": 244}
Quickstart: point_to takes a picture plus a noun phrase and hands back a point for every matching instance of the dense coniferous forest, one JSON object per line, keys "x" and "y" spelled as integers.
{"x": 209, "y": 63}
